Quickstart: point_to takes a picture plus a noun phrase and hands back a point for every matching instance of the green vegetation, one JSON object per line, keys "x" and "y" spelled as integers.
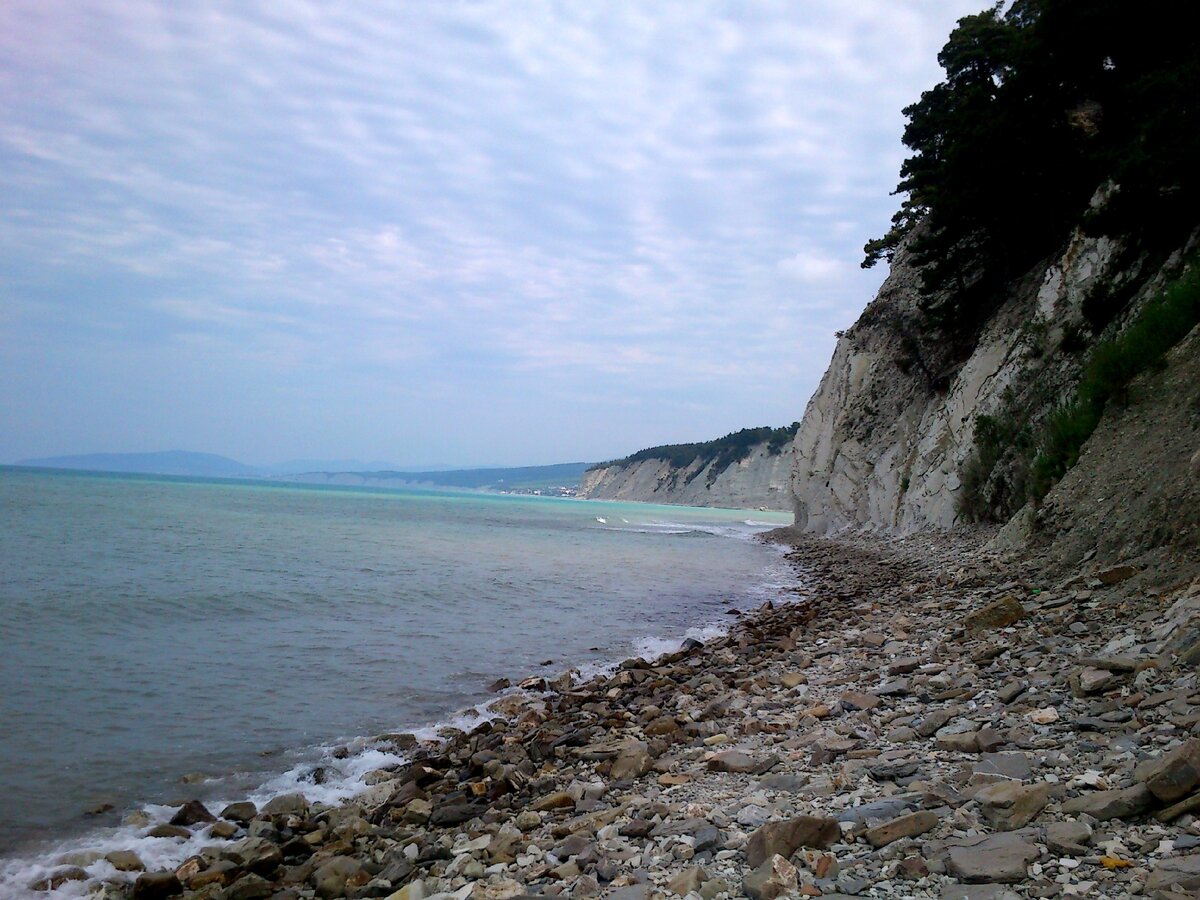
{"x": 722, "y": 452}
{"x": 1017, "y": 459}
{"x": 1040, "y": 105}
{"x": 1113, "y": 364}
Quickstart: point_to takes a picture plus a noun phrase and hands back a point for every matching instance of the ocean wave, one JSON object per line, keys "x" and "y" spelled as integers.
{"x": 343, "y": 778}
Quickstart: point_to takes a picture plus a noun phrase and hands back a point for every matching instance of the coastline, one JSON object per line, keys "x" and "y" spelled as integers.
{"x": 922, "y": 715}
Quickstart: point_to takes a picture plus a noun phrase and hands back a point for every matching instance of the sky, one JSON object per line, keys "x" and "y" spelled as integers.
{"x": 454, "y": 233}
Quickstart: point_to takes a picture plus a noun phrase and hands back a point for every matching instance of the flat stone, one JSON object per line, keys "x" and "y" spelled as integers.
{"x": 256, "y": 854}
{"x": 1068, "y": 838}
{"x": 170, "y": 831}
{"x": 154, "y": 885}
{"x": 905, "y": 826}
{"x": 1011, "y": 691}
{"x": 448, "y": 814}
{"x": 785, "y": 838}
{"x": 331, "y": 877}
{"x": 1181, "y": 871}
{"x": 242, "y": 811}
{"x": 903, "y": 665}
{"x": 223, "y": 829}
{"x": 895, "y": 687}
{"x": 687, "y": 881}
{"x": 789, "y": 783}
{"x": 125, "y": 861}
{"x": 249, "y": 887}
{"x": 998, "y": 858}
{"x": 1009, "y": 805}
{"x": 773, "y": 878}
{"x": 893, "y": 769}
{"x": 1104, "y": 805}
{"x": 888, "y": 808}
{"x": 286, "y": 805}
{"x": 555, "y": 800}
{"x": 1112, "y": 663}
{"x": 741, "y": 763}
{"x": 1047, "y": 715}
{"x": 999, "y": 614}
{"x": 1011, "y": 766}
{"x": 1116, "y": 574}
{"x": 1092, "y": 680}
{"x": 977, "y": 892}
{"x": 934, "y": 720}
{"x": 960, "y": 742}
{"x": 1175, "y": 775}
{"x": 633, "y": 892}
{"x": 859, "y": 700}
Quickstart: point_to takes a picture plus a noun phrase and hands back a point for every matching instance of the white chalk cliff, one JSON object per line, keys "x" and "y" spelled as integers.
{"x": 760, "y": 480}
{"x": 884, "y": 438}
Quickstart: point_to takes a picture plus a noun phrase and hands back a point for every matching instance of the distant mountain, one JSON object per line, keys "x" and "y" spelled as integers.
{"x": 315, "y": 471}
{"x": 296, "y": 466}
{"x": 521, "y": 478}
{"x": 167, "y": 462}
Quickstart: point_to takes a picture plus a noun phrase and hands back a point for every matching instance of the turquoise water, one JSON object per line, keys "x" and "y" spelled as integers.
{"x": 153, "y": 627}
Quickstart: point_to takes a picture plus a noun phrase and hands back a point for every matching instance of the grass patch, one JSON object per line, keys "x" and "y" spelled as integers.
{"x": 1018, "y": 458}
{"x": 1164, "y": 322}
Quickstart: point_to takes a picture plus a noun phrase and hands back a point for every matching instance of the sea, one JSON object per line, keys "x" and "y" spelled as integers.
{"x": 163, "y": 639}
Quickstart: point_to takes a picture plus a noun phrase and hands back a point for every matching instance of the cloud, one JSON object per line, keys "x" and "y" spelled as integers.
{"x": 810, "y": 267}
{"x": 497, "y": 188}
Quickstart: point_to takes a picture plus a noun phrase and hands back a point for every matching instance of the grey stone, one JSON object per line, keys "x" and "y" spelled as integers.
{"x": 1009, "y": 805}
{"x": 1103, "y": 805}
{"x": 998, "y": 858}
{"x": 1012, "y": 765}
{"x": 192, "y": 813}
{"x": 977, "y": 892}
{"x": 909, "y": 825}
{"x": 285, "y": 805}
{"x": 154, "y": 885}
{"x": 785, "y": 838}
{"x": 1068, "y": 838}
{"x": 1181, "y": 871}
{"x": 885, "y": 809}
{"x": 242, "y": 811}
{"x": 330, "y": 879}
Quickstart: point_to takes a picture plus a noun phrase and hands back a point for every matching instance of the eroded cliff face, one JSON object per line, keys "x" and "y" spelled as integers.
{"x": 761, "y": 480}
{"x": 884, "y": 439}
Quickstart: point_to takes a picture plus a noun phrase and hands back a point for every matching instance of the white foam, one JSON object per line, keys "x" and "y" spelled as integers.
{"x": 344, "y": 778}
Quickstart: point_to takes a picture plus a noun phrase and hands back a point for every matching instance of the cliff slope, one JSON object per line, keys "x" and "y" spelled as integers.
{"x": 759, "y": 480}
{"x": 885, "y": 438}
{"x": 889, "y": 439}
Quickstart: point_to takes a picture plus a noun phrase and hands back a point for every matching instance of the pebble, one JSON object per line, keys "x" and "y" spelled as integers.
{"x": 928, "y": 718}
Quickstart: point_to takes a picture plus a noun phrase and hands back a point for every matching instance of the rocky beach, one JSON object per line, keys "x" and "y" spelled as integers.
{"x": 928, "y": 717}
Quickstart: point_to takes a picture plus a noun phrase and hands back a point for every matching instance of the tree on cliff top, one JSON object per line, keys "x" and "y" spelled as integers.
{"x": 1040, "y": 105}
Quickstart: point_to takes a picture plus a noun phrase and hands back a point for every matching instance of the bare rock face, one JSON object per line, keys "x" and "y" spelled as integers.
{"x": 886, "y": 434}
{"x": 761, "y": 480}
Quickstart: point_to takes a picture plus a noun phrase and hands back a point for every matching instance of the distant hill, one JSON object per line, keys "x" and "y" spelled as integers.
{"x": 210, "y": 465}
{"x": 167, "y": 462}
{"x": 295, "y": 466}
{"x": 521, "y": 478}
